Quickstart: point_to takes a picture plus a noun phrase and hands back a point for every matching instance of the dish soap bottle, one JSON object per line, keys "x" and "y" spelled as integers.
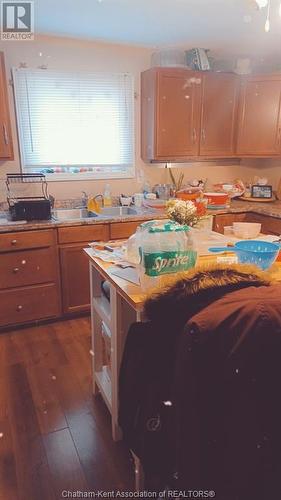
{"x": 107, "y": 200}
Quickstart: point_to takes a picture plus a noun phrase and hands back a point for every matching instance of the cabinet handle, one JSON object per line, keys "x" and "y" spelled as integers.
{"x": 14, "y": 242}
{"x": 16, "y": 270}
{"x": 278, "y": 136}
{"x": 203, "y": 135}
{"x": 194, "y": 136}
{"x": 19, "y": 308}
{"x": 5, "y": 135}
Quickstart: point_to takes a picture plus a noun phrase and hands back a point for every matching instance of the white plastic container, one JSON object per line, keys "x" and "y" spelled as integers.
{"x": 168, "y": 57}
{"x": 246, "y": 230}
{"x": 165, "y": 248}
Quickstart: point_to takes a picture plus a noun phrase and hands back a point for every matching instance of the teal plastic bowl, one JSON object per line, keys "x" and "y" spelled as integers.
{"x": 258, "y": 252}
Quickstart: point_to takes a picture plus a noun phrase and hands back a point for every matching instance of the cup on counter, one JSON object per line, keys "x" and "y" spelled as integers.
{"x": 138, "y": 199}
{"x": 125, "y": 201}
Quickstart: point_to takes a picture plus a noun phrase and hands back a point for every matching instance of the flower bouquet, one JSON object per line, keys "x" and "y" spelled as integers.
{"x": 185, "y": 212}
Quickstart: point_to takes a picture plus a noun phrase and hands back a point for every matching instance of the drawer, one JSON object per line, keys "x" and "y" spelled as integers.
{"x": 123, "y": 229}
{"x": 28, "y": 304}
{"x": 83, "y": 233}
{"x": 27, "y": 267}
{"x": 26, "y": 239}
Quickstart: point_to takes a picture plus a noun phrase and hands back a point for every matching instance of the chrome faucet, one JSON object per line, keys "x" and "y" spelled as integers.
{"x": 102, "y": 198}
{"x": 85, "y": 198}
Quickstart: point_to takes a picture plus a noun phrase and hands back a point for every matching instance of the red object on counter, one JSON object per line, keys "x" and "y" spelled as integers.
{"x": 216, "y": 198}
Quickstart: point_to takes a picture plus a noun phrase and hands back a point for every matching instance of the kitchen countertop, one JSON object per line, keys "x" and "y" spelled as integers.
{"x": 271, "y": 209}
{"x": 143, "y": 215}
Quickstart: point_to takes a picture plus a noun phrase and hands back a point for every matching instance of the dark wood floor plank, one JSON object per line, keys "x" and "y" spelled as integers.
{"x": 48, "y": 416}
{"x": 9, "y": 355}
{"x": 64, "y": 464}
{"x": 43, "y": 348}
{"x": 8, "y": 476}
{"x": 69, "y": 392}
{"x": 47, "y": 406}
{"x": 33, "y": 474}
{"x": 78, "y": 355}
{"x": 101, "y": 463}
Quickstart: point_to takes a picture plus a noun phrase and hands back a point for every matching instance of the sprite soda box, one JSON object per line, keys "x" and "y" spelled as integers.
{"x": 159, "y": 263}
{"x": 165, "y": 247}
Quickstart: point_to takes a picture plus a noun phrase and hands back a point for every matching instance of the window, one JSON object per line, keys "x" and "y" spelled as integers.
{"x": 75, "y": 125}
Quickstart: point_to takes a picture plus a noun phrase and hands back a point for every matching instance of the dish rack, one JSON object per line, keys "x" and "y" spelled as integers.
{"x": 27, "y": 197}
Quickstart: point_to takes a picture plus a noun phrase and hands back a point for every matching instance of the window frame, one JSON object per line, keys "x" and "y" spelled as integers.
{"x": 68, "y": 176}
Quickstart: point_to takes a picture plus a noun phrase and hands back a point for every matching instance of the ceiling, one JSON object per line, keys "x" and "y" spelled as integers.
{"x": 234, "y": 26}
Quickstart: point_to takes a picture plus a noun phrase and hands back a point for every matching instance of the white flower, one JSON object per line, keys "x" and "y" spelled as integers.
{"x": 183, "y": 212}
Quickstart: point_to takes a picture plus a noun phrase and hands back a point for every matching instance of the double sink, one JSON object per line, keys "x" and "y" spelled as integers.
{"x": 83, "y": 213}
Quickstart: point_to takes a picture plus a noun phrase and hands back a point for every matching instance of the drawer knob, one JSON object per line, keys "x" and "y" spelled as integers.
{"x": 14, "y": 242}
{"x": 19, "y": 308}
{"x": 16, "y": 269}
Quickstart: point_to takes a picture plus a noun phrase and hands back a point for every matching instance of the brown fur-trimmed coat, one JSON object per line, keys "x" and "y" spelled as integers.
{"x": 200, "y": 384}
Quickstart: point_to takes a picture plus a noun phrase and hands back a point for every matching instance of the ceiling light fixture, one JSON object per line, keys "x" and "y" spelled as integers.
{"x": 261, "y": 3}
{"x": 267, "y": 21}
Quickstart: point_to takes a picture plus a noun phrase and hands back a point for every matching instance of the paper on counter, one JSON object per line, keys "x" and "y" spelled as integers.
{"x": 129, "y": 274}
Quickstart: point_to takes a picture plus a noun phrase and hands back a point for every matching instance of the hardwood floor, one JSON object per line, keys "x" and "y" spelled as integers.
{"x": 54, "y": 435}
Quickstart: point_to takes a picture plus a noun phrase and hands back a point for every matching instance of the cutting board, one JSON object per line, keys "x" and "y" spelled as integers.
{"x": 259, "y": 200}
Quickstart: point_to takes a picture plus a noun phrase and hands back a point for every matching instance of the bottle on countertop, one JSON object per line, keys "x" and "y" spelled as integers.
{"x": 107, "y": 200}
{"x": 146, "y": 188}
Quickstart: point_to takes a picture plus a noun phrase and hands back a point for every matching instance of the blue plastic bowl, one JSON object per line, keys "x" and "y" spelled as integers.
{"x": 260, "y": 253}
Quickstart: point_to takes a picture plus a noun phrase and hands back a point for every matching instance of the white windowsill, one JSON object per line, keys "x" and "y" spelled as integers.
{"x": 86, "y": 176}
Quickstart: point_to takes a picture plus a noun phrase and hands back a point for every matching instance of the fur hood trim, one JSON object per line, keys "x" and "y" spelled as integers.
{"x": 182, "y": 296}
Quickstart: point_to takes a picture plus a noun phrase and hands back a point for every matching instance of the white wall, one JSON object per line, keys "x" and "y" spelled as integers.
{"x": 69, "y": 54}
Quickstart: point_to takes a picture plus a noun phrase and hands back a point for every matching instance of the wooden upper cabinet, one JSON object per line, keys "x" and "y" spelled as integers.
{"x": 259, "y": 123}
{"x": 6, "y": 145}
{"x": 170, "y": 114}
{"x": 219, "y": 115}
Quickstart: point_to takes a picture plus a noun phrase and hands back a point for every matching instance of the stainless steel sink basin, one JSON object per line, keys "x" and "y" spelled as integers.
{"x": 116, "y": 211}
{"x": 82, "y": 213}
{"x": 72, "y": 213}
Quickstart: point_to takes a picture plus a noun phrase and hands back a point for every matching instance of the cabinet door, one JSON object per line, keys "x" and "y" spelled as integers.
{"x": 178, "y": 114}
{"x": 259, "y": 116}
{"x": 222, "y": 220}
{"x": 75, "y": 278}
{"x": 219, "y": 115}
{"x": 269, "y": 225}
{"x": 6, "y": 147}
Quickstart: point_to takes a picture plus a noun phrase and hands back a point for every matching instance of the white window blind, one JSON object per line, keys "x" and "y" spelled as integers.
{"x": 74, "y": 123}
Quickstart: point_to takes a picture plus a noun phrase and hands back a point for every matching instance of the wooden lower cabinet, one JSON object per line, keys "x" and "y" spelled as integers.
{"x": 74, "y": 278}
{"x": 29, "y": 277}
{"x": 28, "y": 267}
{"x": 74, "y": 264}
{"x": 88, "y": 233}
{"x": 222, "y": 220}
{"x": 269, "y": 225}
{"x": 123, "y": 229}
{"x": 22, "y": 305}
{"x": 40, "y": 270}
